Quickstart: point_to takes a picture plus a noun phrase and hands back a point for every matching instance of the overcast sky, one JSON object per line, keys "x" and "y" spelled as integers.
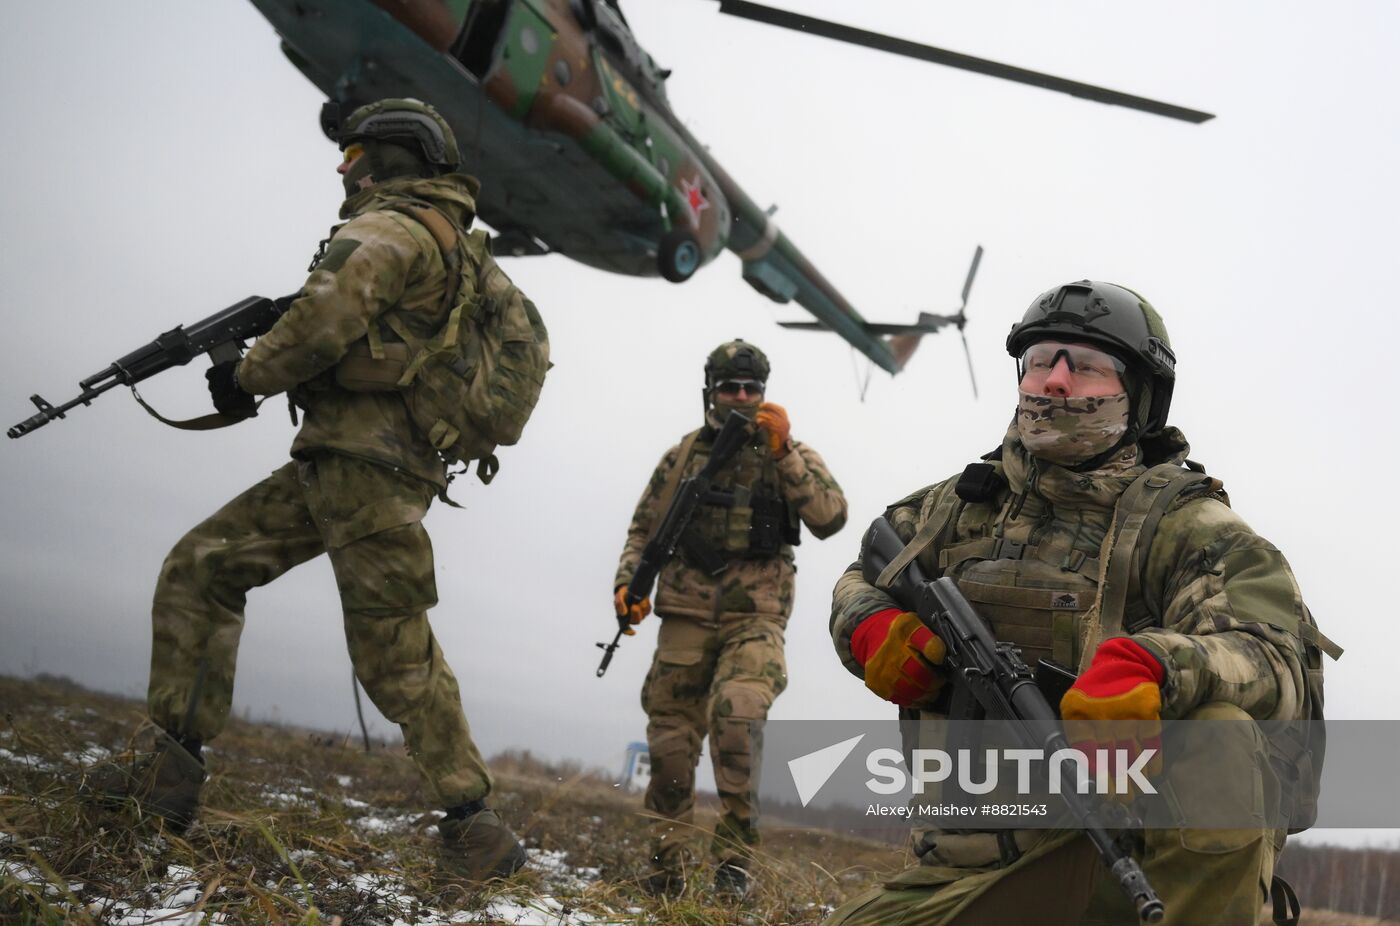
{"x": 163, "y": 160}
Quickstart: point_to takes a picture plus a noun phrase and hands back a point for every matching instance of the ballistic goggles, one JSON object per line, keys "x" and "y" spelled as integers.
{"x": 1083, "y": 360}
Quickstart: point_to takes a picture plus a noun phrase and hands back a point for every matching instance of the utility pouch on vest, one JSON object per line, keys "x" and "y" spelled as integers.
{"x": 768, "y": 527}
{"x": 697, "y": 554}
{"x": 979, "y": 482}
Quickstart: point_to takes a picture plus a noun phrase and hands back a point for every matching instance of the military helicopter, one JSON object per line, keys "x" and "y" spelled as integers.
{"x": 564, "y": 117}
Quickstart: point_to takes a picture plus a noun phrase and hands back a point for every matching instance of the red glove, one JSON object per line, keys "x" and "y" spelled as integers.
{"x": 900, "y": 657}
{"x": 634, "y": 613}
{"x": 1116, "y": 704}
{"x": 774, "y": 419}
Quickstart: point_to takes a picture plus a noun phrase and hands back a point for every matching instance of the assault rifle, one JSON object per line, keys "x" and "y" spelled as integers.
{"x": 220, "y": 336}
{"x": 662, "y": 545}
{"x": 1004, "y": 689}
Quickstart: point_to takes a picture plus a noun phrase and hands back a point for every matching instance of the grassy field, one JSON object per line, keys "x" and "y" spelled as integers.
{"x": 301, "y": 827}
{"x": 304, "y": 827}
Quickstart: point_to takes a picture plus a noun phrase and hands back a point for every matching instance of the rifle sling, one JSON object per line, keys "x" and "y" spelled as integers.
{"x": 202, "y": 423}
{"x": 673, "y": 481}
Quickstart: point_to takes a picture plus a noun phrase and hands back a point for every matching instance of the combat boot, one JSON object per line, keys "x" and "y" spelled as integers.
{"x": 731, "y": 881}
{"x": 664, "y": 883}
{"x": 164, "y": 783}
{"x": 476, "y": 848}
{"x": 667, "y": 876}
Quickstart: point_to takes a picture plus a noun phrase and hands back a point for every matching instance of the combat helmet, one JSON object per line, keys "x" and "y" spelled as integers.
{"x": 1118, "y": 320}
{"x": 734, "y": 360}
{"x": 407, "y": 122}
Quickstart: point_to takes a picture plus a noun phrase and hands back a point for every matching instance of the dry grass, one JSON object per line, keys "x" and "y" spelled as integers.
{"x": 299, "y": 827}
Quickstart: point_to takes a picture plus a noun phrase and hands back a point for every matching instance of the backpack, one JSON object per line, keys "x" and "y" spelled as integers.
{"x": 471, "y": 386}
{"x": 1296, "y": 750}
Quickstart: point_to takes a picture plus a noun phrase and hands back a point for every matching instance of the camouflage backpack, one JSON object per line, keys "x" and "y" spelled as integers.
{"x": 473, "y": 385}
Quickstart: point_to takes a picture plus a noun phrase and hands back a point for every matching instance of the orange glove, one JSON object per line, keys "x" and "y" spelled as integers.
{"x": 774, "y": 419}
{"x": 901, "y": 657}
{"x": 1116, "y": 704}
{"x": 634, "y": 613}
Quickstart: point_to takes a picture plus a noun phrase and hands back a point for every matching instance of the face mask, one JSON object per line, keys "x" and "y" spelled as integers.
{"x": 1070, "y": 430}
{"x": 358, "y": 177}
{"x": 721, "y": 408}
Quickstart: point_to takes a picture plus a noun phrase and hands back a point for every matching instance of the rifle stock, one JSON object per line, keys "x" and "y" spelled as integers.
{"x": 1003, "y": 687}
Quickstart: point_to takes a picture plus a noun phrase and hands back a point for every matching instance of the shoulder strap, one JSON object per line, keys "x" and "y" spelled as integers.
{"x": 673, "y": 481}
{"x": 945, "y": 512}
{"x": 1139, "y": 510}
{"x": 445, "y": 233}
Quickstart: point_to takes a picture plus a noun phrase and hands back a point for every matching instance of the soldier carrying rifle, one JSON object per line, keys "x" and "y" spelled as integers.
{"x": 1088, "y": 539}
{"x": 724, "y": 601}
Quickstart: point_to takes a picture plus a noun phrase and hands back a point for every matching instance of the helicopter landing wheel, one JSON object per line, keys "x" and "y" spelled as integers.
{"x": 679, "y": 255}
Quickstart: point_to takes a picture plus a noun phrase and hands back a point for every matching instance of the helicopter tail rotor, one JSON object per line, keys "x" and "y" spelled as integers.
{"x": 905, "y": 339}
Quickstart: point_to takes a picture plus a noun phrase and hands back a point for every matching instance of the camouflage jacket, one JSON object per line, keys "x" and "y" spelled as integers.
{"x": 376, "y": 261}
{"x": 1230, "y": 606}
{"x": 749, "y": 587}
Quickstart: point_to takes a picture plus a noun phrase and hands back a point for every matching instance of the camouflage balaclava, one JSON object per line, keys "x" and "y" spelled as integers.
{"x": 735, "y": 360}
{"x": 383, "y": 161}
{"x": 1070, "y": 430}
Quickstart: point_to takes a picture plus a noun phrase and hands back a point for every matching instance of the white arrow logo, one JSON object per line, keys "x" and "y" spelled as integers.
{"x": 812, "y": 771}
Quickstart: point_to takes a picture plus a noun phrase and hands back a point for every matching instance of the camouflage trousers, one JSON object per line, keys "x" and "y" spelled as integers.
{"x": 718, "y": 680}
{"x": 1216, "y": 876}
{"x": 367, "y": 519}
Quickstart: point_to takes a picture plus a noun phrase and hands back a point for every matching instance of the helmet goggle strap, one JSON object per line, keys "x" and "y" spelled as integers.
{"x": 1085, "y": 362}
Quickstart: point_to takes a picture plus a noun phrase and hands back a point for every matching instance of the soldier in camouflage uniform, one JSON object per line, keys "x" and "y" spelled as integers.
{"x": 360, "y": 481}
{"x": 724, "y": 601}
{"x": 1212, "y": 628}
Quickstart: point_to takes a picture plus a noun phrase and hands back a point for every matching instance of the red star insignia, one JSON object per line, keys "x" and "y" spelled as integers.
{"x": 694, "y": 196}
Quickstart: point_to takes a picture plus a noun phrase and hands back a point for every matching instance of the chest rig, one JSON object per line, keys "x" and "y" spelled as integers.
{"x": 744, "y": 515}
{"x": 1035, "y": 570}
{"x": 1030, "y": 571}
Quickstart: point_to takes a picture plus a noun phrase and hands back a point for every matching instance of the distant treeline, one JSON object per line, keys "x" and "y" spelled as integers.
{"x": 1362, "y": 881}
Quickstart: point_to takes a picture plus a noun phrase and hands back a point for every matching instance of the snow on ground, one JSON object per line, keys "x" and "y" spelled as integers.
{"x": 386, "y": 824}
{"x": 172, "y": 899}
{"x": 33, "y": 762}
{"x": 89, "y": 756}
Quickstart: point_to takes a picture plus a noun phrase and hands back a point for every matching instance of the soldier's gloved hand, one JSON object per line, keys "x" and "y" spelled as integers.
{"x": 1116, "y": 706}
{"x": 229, "y": 398}
{"x": 900, "y": 656}
{"x": 774, "y": 419}
{"x": 633, "y": 613}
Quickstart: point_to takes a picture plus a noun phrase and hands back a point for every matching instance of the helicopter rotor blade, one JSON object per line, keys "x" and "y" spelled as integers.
{"x": 842, "y": 33}
{"x": 971, "y": 272}
{"x": 971, "y": 375}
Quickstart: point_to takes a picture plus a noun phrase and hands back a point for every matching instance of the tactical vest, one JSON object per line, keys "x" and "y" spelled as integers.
{"x": 1043, "y": 593}
{"x": 744, "y": 515}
